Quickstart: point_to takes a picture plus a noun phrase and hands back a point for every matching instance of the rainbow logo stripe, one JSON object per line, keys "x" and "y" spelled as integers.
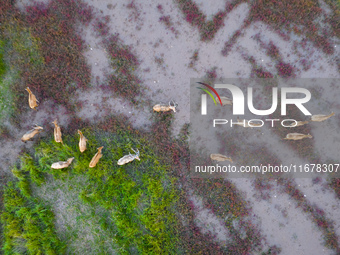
{"x": 213, "y": 90}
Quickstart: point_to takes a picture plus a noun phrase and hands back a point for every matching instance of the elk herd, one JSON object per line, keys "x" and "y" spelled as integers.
{"x": 33, "y": 103}
{"x": 32, "y": 100}
{"x": 289, "y": 136}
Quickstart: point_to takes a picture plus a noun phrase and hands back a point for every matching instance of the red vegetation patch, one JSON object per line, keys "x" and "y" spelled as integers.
{"x": 123, "y": 81}
{"x": 196, "y": 17}
{"x": 285, "y": 70}
{"x": 317, "y": 214}
{"x": 290, "y": 14}
{"x": 335, "y": 184}
{"x": 223, "y": 199}
{"x": 210, "y": 27}
{"x": 192, "y": 13}
{"x": 273, "y": 51}
{"x": 261, "y": 73}
{"x": 101, "y": 26}
{"x": 7, "y": 9}
{"x": 230, "y": 43}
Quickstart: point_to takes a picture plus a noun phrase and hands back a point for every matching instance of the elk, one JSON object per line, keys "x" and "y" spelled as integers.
{"x": 321, "y": 117}
{"x": 32, "y": 100}
{"x": 225, "y": 101}
{"x": 82, "y": 142}
{"x": 96, "y": 157}
{"x": 57, "y": 132}
{"x": 299, "y": 123}
{"x": 165, "y": 108}
{"x": 128, "y": 158}
{"x": 297, "y": 136}
{"x": 62, "y": 164}
{"x": 220, "y": 157}
{"x": 30, "y": 134}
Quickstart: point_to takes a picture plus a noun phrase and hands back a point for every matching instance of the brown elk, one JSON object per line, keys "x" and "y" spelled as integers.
{"x": 62, "y": 164}
{"x": 30, "y": 134}
{"x": 128, "y": 158}
{"x": 220, "y": 157}
{"x": 32, "y": 100}
{"x": 57, "y": 132}
{"x": 96, "y": 157}
{"x": 321, "y": 117}
{"x": 297, "y": 136}
{"x": 165, "y": 108}
{"x": 82, "y": 142}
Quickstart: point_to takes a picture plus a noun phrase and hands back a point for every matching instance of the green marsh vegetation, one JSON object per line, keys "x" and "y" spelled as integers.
{"x": 138, "y": 208}
{"x": 137, "y": 201}
{"x": 27, "y": 222}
